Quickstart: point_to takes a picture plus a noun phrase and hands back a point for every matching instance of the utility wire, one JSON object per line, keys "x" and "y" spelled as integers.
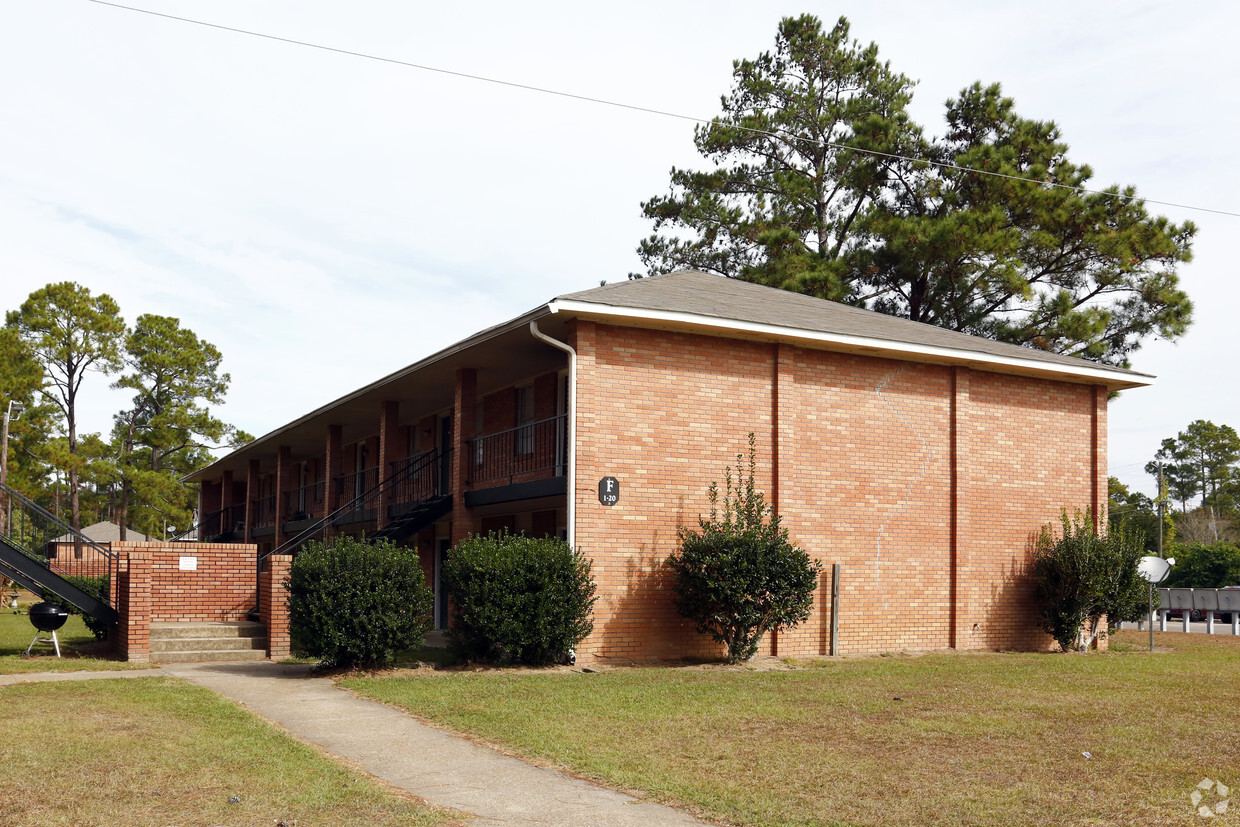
{"x": 662, "y": 112}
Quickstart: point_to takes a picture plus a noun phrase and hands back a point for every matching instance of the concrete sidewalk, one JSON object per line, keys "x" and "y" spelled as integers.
{"x": 444, "y": 769}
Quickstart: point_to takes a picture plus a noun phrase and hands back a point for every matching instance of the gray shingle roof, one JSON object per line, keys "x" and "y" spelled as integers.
{"x": 703, "y": 294}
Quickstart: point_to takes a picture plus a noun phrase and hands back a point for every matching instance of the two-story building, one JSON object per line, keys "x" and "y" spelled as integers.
{"x": 920, "y": 460}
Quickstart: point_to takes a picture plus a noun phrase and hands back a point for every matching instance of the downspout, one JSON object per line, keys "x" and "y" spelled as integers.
{"x": 572, "y": 428}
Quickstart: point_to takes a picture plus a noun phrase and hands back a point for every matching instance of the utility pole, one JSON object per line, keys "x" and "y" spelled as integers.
{"x": 1160, "y": 510}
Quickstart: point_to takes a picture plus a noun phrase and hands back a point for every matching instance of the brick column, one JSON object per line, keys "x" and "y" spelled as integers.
{"x": 960, "y": 604}
{"x": 464, "y": 428}
{"x": 332, "y": 467}
{"x": 389, "y": 452}
{"x": 133, "y": 593}
{"x": 251, "y": 491}
{"x": 284, "y": 462}
{"x": 1098, "y": 457}
{"x": 273, "y": 604}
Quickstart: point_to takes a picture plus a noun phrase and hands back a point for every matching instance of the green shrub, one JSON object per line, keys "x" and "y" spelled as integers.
{"x": 96, "y": 587}
{"x": 357, "y": 602}
{"x": 738, "y": 576}
{"x": 1204, "y": 566}
{"x": 518, "y": 599}
{"x": 1082, "y": 576}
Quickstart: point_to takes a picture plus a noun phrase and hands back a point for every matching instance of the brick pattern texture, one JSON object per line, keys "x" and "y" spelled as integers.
{"x": 273, "y": 604}
{"x": 925, "y": 482}
{"x": 223, "y": 587}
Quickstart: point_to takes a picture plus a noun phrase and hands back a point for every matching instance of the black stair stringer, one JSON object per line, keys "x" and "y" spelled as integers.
{"x": 37, "y": 577}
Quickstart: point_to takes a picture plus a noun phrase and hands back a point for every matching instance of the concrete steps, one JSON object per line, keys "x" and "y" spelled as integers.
{"x": 186, "y": 642}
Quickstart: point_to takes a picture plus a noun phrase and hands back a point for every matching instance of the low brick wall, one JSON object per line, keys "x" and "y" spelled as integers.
{"x": 168, "y": 582}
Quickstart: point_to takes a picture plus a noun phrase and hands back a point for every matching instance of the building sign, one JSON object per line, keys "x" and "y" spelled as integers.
{"x": 609, "y": 491}
{"x": 188, "y": 564}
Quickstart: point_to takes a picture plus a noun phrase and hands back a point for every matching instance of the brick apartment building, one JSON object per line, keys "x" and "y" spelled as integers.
{"x": 920, "y": 460}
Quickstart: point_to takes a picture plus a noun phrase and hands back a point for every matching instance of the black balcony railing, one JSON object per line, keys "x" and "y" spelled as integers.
{"x": 264, "y": 511}
{"x": 216, "y": 523}
{"x": 529, "y": 451}
{"x": 418, "y": 478}
{"x": 350, "y": 486}
{"x": 304, "y": 502}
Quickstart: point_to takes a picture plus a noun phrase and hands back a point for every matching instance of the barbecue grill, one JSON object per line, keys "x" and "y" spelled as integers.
{"x": 47, "y": 617}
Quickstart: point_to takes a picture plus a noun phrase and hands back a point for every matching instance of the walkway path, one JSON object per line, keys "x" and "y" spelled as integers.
{"x": 444, "y": 769}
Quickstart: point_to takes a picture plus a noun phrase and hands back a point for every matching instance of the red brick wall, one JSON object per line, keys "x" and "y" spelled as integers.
{"x": 923, "y": 481}
{"x": 222, "y": 588}
{"x": 273, "y": 604}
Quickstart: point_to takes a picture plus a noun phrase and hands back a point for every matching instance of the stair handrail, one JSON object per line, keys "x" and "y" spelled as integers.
{"x": 297, "y": 540}
{"x": 31, "y": 505}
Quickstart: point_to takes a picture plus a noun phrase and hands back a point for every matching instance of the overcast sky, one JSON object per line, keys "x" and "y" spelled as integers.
{"x": 326, "y": 219}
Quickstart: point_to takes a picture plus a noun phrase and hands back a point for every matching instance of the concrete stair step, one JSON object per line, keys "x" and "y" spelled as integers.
{"x": 185, "y": 629}
{"x": 205, "y": 644}
{"x": 203, "y": 656}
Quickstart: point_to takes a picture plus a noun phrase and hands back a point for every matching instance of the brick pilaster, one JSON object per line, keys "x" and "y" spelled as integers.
{"x": 251, "y": 493}
{"x": 464, "y": 429}
{"x": 273, "y": 604}
{"x": 134, "y": 606}
{"x": 284, "y": 463}
{"x": 389, "y": 452}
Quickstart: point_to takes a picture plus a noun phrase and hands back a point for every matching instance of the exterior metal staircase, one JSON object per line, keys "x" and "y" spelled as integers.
{"x": 30, "y": 536}
{"x": 415, "y": 494}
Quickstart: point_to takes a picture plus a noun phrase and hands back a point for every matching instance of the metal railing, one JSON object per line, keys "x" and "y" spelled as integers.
{"x": 351, "y": 486}
{"x": 230, "y": 519}
{"x": 54, "y": 545}
{"x": 304, "y": 501}
{"x": 419, "y": 477}
{"x": 533, "y": 450}
{"x": 367, "y": 500}
{"x": 264, "y": 511}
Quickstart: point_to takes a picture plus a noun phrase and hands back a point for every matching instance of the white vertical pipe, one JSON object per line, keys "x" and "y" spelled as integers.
{"x": 572, "y": 428}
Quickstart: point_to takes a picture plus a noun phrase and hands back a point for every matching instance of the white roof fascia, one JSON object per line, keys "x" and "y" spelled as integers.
{"x": 1085, "y": 371}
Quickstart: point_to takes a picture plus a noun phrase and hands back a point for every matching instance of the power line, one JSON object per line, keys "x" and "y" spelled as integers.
{"x": 651, "y": 111}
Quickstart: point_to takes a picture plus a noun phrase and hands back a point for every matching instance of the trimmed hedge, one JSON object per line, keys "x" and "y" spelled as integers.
{"x": 357, "y": 602}
{"x": 517, "y": 599}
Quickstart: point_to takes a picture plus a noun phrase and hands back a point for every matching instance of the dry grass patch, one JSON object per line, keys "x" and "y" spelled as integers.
{"x": 160, "y": 751}
{"x": 944, "y": 738}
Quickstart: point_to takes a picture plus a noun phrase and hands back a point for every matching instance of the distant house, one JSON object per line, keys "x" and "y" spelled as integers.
{"x": 919, "y": 460}
{"x": 60, "y": 550}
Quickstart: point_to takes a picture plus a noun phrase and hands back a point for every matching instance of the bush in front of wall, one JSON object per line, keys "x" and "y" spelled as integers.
{"x": 738, "y": 576}
{"x": 517, "y": 599}
{"x": 1083, "y": 576}
{"x": 357, "y": 602}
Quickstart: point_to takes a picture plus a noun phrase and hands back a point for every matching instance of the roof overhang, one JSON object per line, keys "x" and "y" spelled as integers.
{"x": 1079, "y": 371}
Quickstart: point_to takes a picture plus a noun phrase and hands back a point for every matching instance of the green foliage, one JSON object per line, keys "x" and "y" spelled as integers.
{"x": 781, "y": 206}
{"x": 168, "y": 431}
{"x": 738, "y": 576}
{"x": 1205, "y": 566}
{"x": 357, "y": 602}
{"x": 794, "y": 200}
{"x": 518, "y": 599}
{"x": 69, "y": 333}
{"x": 1082, "y": 576}
{"x": 1201, "y": 459}
{"x": 96, "y": 587}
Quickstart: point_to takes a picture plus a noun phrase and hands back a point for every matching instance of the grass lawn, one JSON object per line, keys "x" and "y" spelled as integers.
{"x": 78, "y": 647}
{"x": 943, "y": 738}
{"x": 160, "y": 751}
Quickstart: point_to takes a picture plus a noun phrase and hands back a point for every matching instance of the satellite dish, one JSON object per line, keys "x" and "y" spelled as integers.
{"x": 1154, "y": 569}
